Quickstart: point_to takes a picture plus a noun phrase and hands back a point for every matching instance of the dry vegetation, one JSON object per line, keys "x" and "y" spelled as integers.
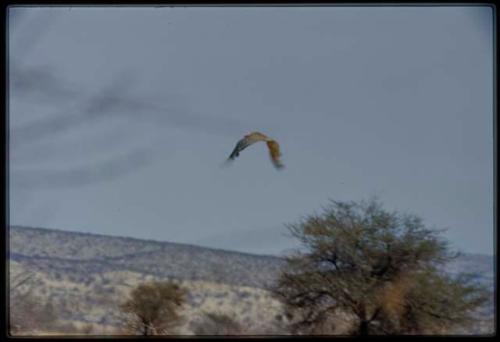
{"x": 74, "y": 284}
{"x": 96, "y": 302}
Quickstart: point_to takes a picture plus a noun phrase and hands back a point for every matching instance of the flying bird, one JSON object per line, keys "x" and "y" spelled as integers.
{"x": 249, "y": 139}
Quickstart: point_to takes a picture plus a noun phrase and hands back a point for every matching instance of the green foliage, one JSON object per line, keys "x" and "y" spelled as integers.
{"x": 382, "y": 269}
{"x": 153, "y": 308}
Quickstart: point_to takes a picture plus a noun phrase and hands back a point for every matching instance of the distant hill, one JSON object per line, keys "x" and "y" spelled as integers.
{"x": 82, "y": 253}
{"x": 85, "y": 276}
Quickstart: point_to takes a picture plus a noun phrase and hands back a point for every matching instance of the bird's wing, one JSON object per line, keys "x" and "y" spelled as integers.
{"x": 274, "y": 152}
{"x": 242, "y": 144}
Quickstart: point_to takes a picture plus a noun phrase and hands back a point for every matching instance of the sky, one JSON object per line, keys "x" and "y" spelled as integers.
{"x": 121, "y": 118}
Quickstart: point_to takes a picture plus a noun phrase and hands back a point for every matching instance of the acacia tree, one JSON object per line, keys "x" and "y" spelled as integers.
{"x": 153, "y": 308}
{"x": 382, "y": 270}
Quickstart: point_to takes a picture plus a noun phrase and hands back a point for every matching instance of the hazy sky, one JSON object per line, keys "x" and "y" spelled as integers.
{"x": 121, "y": 119}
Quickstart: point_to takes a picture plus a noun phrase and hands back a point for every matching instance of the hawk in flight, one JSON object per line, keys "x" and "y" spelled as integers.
{"x": 249, "y": 139}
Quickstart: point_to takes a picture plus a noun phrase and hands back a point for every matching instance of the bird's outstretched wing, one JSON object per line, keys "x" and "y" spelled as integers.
{"x": 240, "y": 146}
{"x": 274, "y": 152}
{"x": 246, "y": 141}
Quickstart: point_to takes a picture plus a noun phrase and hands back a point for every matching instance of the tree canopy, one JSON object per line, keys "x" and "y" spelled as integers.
{"x": 381, "y": 271}
{"x": 153, "y": 308}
